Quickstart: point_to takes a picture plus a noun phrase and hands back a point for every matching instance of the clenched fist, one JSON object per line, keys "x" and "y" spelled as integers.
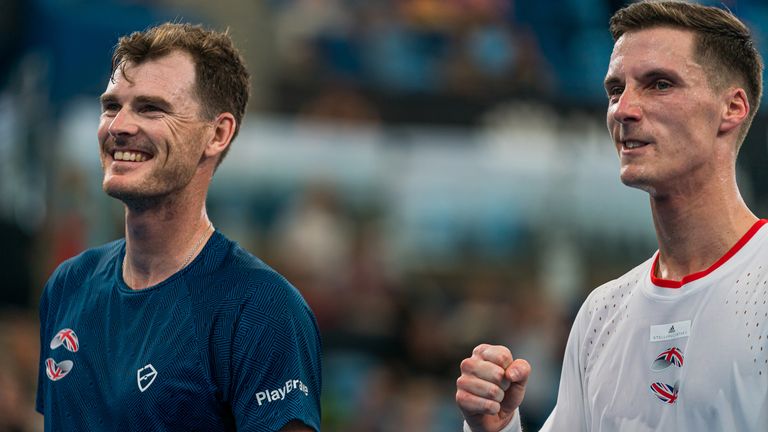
{"x": 491, "y": 387}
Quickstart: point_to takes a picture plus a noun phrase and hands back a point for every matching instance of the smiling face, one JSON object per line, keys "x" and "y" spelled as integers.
{"x": 663, "y": 115}
{"x": 151, "y": 135}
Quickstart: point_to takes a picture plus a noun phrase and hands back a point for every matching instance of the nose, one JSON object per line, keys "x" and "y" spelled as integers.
{"x": 627, "y": 109}
{"x": 122, "y": 124}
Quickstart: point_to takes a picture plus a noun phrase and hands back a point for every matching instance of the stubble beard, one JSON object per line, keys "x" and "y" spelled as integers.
{"x": 159, "y": 190}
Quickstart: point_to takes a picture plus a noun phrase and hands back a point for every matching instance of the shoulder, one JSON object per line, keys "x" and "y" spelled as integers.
{"x": 617, "y": 290}
{"x": 607, "y": 303}
{"x": 75, "y": 270}
{"x": 234, "y": 277}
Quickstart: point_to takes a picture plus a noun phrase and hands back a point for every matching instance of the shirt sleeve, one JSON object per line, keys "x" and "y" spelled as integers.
{"x": 570, "y": 412}
{"x": 276, "y": 365}
{"x": 42, "y": 379}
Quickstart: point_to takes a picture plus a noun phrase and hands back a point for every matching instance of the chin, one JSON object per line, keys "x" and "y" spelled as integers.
{"x": 121, "y": 194}
{"x": 125, "y": 193}
{"x": 635, "y": 179}
{"x": 141, "y": 196}
{"x": 138, "y": 201}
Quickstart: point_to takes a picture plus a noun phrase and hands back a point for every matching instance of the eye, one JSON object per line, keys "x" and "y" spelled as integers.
{"x": 614, "y": 92}
{"x": 662, "y": 85}
{"x": 150, "y": 109}
{"x": 110, "y": 108}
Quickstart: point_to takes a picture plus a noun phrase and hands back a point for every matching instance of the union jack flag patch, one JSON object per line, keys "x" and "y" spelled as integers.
{"x": 671, "y": 357}
{"x": 57, "y": 371}
{"x": 66, "y": 337}
{"x": 665, "y": 392}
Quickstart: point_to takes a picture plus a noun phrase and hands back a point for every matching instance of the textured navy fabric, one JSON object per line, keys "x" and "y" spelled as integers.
{"x": 224, "y": 344}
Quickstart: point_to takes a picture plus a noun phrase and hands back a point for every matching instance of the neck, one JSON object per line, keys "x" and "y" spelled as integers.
{"x": 163, "y": 238}
{"x": 695, "y": 229}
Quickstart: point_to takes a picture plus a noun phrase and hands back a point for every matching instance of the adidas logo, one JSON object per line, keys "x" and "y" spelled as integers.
{"x": 671, "y": 330}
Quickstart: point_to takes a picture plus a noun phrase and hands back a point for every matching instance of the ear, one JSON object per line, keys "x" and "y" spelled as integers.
{"x": 223, "y": 130}
{"x": 736, "y": 110}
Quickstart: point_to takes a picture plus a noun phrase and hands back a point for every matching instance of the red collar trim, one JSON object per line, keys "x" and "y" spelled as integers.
{"x": 666, "y": 283}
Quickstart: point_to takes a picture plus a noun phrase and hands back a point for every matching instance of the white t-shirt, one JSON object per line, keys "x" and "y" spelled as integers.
{"x": 647, "y": 354}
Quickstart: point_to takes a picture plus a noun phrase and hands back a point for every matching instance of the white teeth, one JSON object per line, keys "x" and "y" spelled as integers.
{"x": 129, "y": 156}
{"x": 633, "y": 144}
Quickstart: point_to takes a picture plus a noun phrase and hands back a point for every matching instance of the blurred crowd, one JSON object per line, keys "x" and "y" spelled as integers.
{"x": 445, "y": 61}
{"x": 435, "y": 61}
{"x": 395, "y": 321}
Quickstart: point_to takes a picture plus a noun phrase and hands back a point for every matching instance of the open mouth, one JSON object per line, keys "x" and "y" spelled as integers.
{"x": 131, "y": 156}
{"x": 632, "y": 144}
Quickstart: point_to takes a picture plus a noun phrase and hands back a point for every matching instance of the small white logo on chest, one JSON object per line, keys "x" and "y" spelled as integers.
{"x": 675, "y": 330}
{"x": 146, "y": 376}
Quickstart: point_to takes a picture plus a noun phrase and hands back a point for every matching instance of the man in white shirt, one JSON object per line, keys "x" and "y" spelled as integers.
{"x": 681, "y": 341}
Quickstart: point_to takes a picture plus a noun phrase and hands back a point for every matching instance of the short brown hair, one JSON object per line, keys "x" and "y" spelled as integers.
{"x": 723, "y": 45}
{"x": 221, "y": 78}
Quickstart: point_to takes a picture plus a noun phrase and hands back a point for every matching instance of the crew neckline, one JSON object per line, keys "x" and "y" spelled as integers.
{"x": 669, "y": 283}
{"x": 124, "y": 288}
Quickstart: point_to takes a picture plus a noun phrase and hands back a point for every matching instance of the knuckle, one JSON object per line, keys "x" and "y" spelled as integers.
{"x": 464, "y": 401}
{"x": 498, "y": 376}
{"x": 460, "y": 381}
{"x": 459, "y": 397}
{"x": 480, "y": 349}
{"x": 490, "y": 392}
{"x": 467, "y": 365}
{"x": 496, "y": 393}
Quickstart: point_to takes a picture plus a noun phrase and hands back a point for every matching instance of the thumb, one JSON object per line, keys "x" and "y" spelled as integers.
{"x": 517, "y": 373}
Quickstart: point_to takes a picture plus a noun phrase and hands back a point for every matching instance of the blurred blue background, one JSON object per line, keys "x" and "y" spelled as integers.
{"x": 431, "y": 174}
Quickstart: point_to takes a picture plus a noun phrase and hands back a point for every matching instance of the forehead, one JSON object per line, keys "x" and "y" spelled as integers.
{"x": 655, "y": 48}
{"x": 171, "y": 77}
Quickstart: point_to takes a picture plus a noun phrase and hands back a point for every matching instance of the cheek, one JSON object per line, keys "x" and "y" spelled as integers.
{"x": 610, "y": 124}
{"x": 187, "y": 139}
{"x": 692, "y": 130}
{"x": 102, "y": 133}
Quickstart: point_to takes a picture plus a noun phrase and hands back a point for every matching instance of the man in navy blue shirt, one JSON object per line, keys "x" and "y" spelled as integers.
{"x": 174, "y": 327}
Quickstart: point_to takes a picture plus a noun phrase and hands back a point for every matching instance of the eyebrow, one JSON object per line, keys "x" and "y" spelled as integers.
{"x": 107, "y": 98}
{"x": 154, "y": 100}
{"x": 649, "y": 75}
{"x": 610, "y": 82}
{"x": 659, "y": 73}
{"x": 139, "y": 100}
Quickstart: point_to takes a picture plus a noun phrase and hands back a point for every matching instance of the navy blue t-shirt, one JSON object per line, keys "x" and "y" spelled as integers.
{"x": 224, "y": 344}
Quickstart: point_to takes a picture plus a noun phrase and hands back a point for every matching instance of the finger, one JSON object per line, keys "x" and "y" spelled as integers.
{"x": 480, "y": 388}
{"x": 485, "y": 370}
{"x": 497, "y": 354}
{"x": 478, "y": 351}
{"x": 472, "y": 405}
{"x": 518, "y": 372}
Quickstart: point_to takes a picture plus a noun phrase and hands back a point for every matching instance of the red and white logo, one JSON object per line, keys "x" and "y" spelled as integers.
{"x": 671, "y": 357}
{"x": 67, "y": 338}
{"x": 665, "y": 392}
{"x": 57, "y": 371}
